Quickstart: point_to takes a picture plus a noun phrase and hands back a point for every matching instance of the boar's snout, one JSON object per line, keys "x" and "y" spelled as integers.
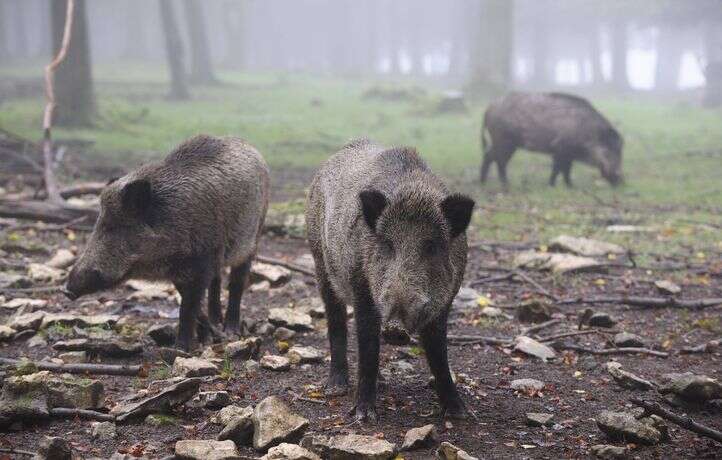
{"x": 82, "y": 281}
{"x": 407, "y": 305}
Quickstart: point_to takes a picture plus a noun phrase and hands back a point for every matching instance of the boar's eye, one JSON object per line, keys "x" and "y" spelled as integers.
{"x": 430, "y": 248}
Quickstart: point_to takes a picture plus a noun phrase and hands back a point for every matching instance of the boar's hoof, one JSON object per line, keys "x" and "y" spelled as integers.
{"x": 336, "y": 385}
{"x": 364, "y": 413}
{"x": 459, "y": 411}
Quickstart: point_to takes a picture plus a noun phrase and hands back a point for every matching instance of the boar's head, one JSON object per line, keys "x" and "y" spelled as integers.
{"x": 606, "y": 153}
{"x": 410, "y": 260}
{"x": 125, "y": 237}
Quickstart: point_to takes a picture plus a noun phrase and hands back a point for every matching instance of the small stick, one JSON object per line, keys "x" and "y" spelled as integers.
{"x": 31, "y": 290}
{"x": 540, "y": 289}
{"x": 28, "y": 453}
{"x": 476, "y": 339}
{"x": 563, "y": 335}
{"x": 685, "y": 422}
{"x": 81, "y": 413}
{"x": 491, "y": 279}
{"x": 81, "y": 368}
{"x": 649, "y": 302}
{"x": 298, "y": 397}
{"x": 540, "y": 326}
{"x": 613, "y": 351}
{"x": 288, "y": 265}
{"x": 708, "y": 347}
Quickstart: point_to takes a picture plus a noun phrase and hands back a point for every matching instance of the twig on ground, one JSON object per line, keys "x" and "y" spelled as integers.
{"x": 88, "y": 188}
{"x": 540, "y": 289}
{"x": 502, "y": 245}
{"x": 540, "y": 326}
{"x": 564, "y": 335}
{"x": 298, "y": 397}
{"x": 32, "y": 290}
{"x": 4, "y": 450}
{"x": 288, "y": 265}
{"x": 685, "y": 422}
{"x": 81, "y": 413}
{"x": 649, "y": 302}
{"x": 491, "y": 279}
{"x": 22, "y": 158}
{"x": 73, "y": 224}
{"x": 709, "y": 347}
{"x": 477, "y": 339}
{"x": 81, "y": 368}
{"x": 611, "y": 351}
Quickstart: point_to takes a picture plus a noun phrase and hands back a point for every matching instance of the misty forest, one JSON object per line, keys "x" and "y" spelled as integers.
{"x": 379, "y": 229}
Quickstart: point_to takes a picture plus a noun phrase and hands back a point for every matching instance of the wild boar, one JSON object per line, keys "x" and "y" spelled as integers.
{"x": 182, "y": 219}
{"x": 389, "y": 239}
{"x": 564, "y": 126}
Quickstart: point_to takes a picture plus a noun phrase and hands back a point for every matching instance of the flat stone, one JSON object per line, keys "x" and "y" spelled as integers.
{"x": 206, "y": 450}
{"x": 244, "y": 349}
{"x": 623, "y": 426}
{"x": 228, "y": 413}
{"x": 23, "y": 398}
{"x": 103, "y": 430}
{"x": 534, "y": 348}
{"x": 421, "y": 437}
{"x": 275, "y": 363}
{"x": 25, "y": 303}
{"x": 627, "y": 379}
{"x": 274, "y": 423}
{"x": 602, "y": 319}
{"x": 44, "y": 274}
{"x": 627, "y": 339}
{"x": 213, "y": 399}
{"x": 12, "y": 280}
{"x": 98, "y": 347}
{"x": 312, "y": 305}
{"x": 70, "y": 320}
{"x": 285, "y": 451}
{"x": 467, "y": 294}
{"x": 539, "y": 419}
{"x": 193, "y": 367}
{"x": 36, "y": 340}
{"x": 63, "y": 258}
{"x": 54, "y": 448}
{"x": 163, "y": 402}
{"x": 302, "y": 355}
{"x": 27, "y": 321}
{"x": 692, "y": 387}
{"x": 149, "y": 290}
{"x": 290, "y": 318}
{"x": 160, "y": 420}
{"x": 533, "y": 311}
{"x": 527, "y": 385}
{"x": 492, "y": 312}
{"x": 74, "y": 357}
{"x": 667, "y": 287}
{"x": 585, "y": 246}
{"x": 556, "y": 262}
{"x": 238, "y": 427}
{"x": 448, "y": 451}
{"x": 283, "y": 333}
{"x": 350, "y": 446}
{"x": 274, "y": 274}
{"x": 609, "y": 452}
{"x": 6, "y": 333}
{"x": 162, "y": 334}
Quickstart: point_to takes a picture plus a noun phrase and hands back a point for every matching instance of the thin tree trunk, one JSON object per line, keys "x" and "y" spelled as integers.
{"x": 3, "y": 34}
{"x": 595, "y": 55}
{"x": 73, "y": 79}
{"x": 21, "y": 35}
{"x": 669, "y": 56}
{"x": 135, "y": 39}
{"x": 619, "y": 54}
{"x": 493, "y": 56}
{"x": 200, "y": 54}
{"x": 174, "y": 51}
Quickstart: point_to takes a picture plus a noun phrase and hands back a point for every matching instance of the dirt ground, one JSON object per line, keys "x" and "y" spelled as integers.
{"x": 577, "y": 387}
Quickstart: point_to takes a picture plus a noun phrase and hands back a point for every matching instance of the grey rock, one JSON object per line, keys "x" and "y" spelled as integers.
{"x": 608, "y": 452}
{"x": 12, "y": 280}
{"x": 70, "y": 320}
{"x": 601, "y": 319}
{"x": 302, "y": 355}
{"x": 238, "y": 427}
{"x": 27, "y": 321}
{"x": 667, "y": 287}
{"x": 274, "y": 423}
{"x": 285, "y": 451}
{"x": 168, "y": 355}
{"x": 623, "y": 426}
{"x": 163, "y": 402}
{"x": 283, "y": 333}
{"x": 531, "y": 347}
{"x": 274, "y": 274}
{"x": 290, "y": 318}
{"x": 206, "y": 450}
{"x": 539, "y": 419}
{"x": 692, "y": 387}
{"x": 448, "y": 451}
{"x": 23, "y": 398}
{"x": 533, "y": 311}
{"x": 313, "y": 306}
{"x": 556, "y": 262}
{"x": 54, "y": 448}
{"x": 113, "y": 348}
{"x": 103, "y": 431}
{"x": 62, "y": 259}
{"x": 265, "y": 329}
{"x": 24, "y": 304}
{"x": 585, "y": 246}
{"x": 76, "y": 357}
{"x": 467, "y": 294}
{"x": 244, "y": 349}
{"x": 44, "y": 274}
{"x": 59, "y": 390}
{"x": 228, "y": 413}
{"x": 421, "y": 437}
{"x": 351, "y": 446}
{"x": 213, "y": 399}
{"x": 627, "y": 339}
{"x": 627, "y": 379}
{"x": 162, "y": 334}
{"x": 6, "y": 333}
{"x": 193, "y": 367}
{"x": 275, "y": 363}
{"x": 527, "y": 385}
{"x": 36, "y": 340}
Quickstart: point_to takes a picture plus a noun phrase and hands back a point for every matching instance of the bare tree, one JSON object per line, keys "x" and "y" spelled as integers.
{"x": 200, "y": 54}
{"x": 619, "y": 54}
{"x": 174, "y": 51}
{"x": 491, "y": 61}
{"x": 73, "y": 78}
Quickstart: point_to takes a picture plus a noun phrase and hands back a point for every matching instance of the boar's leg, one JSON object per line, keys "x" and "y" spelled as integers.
{"x": 368, "y": 330}
{"x": 191, "y": 297}
{"x": 566, "y": 172}
{"x": 485, "y": 165}
{"x": 501, "y": 169}
{"x": 556, "y": 169}
{"x": 236, "y": 284}
{"x": 433, "y": 339}
{"x": 214, "y": 301}
{"x": 337, "y": 383}
{"x": 561, "y": 165}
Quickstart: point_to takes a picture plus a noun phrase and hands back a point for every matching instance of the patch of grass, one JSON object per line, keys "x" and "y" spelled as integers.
{"x": 227, "y": 372}
{"x": 59, "y": 330}
{"x": 161, "y": 372}
{"x": 710, "y": 324}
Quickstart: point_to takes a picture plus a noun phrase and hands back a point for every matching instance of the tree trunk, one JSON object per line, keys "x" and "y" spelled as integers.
{"x": 200, "y": 54}
{"x": 21, "y": 35}
{"x": 73, "y": 77}
{"x": 619, "y": 54}
{"x": 669, "y": 56}
{"x": 174, "y": 51}
{"x": 541, "y": 75}
{"x": 492, "y": 58}
{"x": 713, "y": 68}
{"x": 135, "y": 39}
{"x": 233, "y": 14}
{"x": 3, "y": 34}
{"x": 595, "y": 56}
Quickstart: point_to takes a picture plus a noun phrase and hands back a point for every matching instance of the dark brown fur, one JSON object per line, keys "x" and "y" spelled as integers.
{"x": 564, "y": 126}
{"x": 181, "y": 219}
{"x": 388, "y": 238}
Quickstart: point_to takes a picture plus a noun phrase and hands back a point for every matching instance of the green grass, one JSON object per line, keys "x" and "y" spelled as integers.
{"x": 297, "y": 121}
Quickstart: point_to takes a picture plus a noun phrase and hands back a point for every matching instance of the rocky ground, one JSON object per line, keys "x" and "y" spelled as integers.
{"x": 541, "y": 358}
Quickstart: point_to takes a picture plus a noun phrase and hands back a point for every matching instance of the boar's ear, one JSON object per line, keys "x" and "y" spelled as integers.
{"x": 136, "y": 197}
{"x": 457, "y": 211}
{"x": 373, "y": 203}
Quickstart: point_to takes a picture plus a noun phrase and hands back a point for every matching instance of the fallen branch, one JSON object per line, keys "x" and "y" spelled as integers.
{"x": 564, "y": 335}
{"x": 649, "y": 302}
{"x": 491, "y": 279}
{"x": 27, "y": 453}
{"x": 65, "y": 412}
{"x": 88, "y": 188}
{"x": 298, "y": 397}
{"x": 32, "y": 290}
{"x": 45, "y": 211}
{"x": 709, "y": 347}
{"x": 477, "y": 339}
{"x": 288, "y": 265}
{"x": 611, "y": 351}
{"x": 540, "y": 289}
{"x": 81, "y": 368}
{"x": 73, "y": 224}
{"x": 540, "y": 326}
{"x": 685, "y": 422}
{"x": 22, "y": 158}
